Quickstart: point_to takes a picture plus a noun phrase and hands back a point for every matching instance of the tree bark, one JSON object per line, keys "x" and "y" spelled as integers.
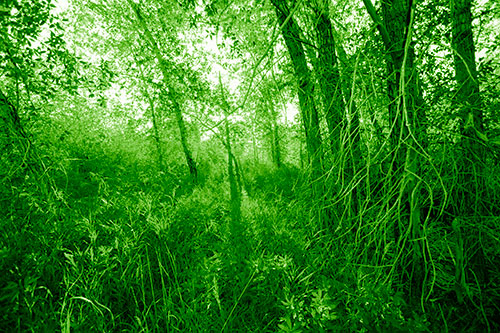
{"x": 309, "y": 114}
{"x": 156, "y": 131}
{"x": 276, "y": 143}
{"x": 183, "y": 133}
{"x": 328, "y": 76}
{"x": 407, "y": 117}
{"x": 233, "y": 182}
{"x": 470, "y": 105}
{"x": 347, "y": 84}
{"x": 153, "y": 118}
{"x": 471, "y": 185}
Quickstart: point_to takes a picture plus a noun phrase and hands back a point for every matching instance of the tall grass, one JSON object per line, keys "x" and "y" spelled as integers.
{"x": 105, "y": 243}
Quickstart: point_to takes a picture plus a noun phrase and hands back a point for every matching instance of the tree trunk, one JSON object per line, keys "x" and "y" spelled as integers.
{"x": 471, "y": 185}
{"x": 171, "y": 93}
{"x": 276, "y": 145}
{"x": 347, "y": 82}
{"x": 309, "y": 114}
{"x": 328, "y": 76}
{"x": 336, "y": 93}
{"x": 183, "y": 133}
{"x": 470, "y": 106}
{"x": 156, "y": 132}
{"x": 274, "y": 138}
{"x": 153, "y": 115}
{"x": 406, "y": 114}
{"x": 233, "y": 182}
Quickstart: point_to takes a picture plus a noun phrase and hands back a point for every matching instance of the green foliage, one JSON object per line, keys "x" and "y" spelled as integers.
{"x": 271, "y": 182}
{"x": 102, "y": 228}
{"x": 96, "y": 254}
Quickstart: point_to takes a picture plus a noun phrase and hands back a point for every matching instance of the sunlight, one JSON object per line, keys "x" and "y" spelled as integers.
{"x": 60, "y": 6}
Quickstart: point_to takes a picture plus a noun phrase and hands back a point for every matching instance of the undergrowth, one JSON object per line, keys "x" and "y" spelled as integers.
{"x": 106, "y": 243}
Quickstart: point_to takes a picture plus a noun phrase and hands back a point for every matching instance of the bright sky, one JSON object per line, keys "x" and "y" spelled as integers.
{"x": 61, "y": 6}
{"x": 210, "y": 49}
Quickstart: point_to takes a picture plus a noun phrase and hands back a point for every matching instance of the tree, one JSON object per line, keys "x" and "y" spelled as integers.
{"x": 30, "y": 72}
{"x": 468, "y": 101}
{"x": 305, "y": 86}
{"x": 232, "y": 170}
{"x": 151, "y": 102}
{"x": 342, "y": 122}
{"x": 407, "y": 134}
{"x": 171, "y": 93}
{"x": 270, "y": 116}
{"x": 328, "y": 74}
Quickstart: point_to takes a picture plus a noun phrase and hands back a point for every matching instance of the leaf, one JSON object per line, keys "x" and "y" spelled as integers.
{"x": 469, "y": 121}
{"x": 480, "y": 135}
{"x": 496, "y": 141}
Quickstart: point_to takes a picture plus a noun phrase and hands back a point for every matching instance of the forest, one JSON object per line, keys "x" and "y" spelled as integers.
{"x": 249, "y": 166}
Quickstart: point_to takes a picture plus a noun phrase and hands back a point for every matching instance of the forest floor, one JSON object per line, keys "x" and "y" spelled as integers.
{"x": 106, "y": 246}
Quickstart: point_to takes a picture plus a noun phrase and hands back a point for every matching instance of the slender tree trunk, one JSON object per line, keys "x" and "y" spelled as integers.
{"x": 171, "y": 92}
{"x": 153, "y": 116}
{"x": 183, "y": 133}
{"x": 12, "y": 129}
{"x": 156, "y": 132}
{"x": 233, "y": 171}
{"x": 233, "y": 184}
{"x": 274, "y": 138}
{"x": 254, "y": 142}
{"x": 471, "y": 187}
{"x": 10, "y": 118}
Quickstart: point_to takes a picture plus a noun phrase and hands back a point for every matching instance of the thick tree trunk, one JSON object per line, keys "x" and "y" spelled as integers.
{"x": 407, "y": 137}
{"x": 328, "y": 76}
{"x": 407, "y": 109}
{"x": 347, "y": 83}
{"x": 469, "y": 103}
{"x": 309, "y": 114}
{"x": 291, "y": 34}
{"x": 336, "y": 93}
{"x": 406, "y": 101}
